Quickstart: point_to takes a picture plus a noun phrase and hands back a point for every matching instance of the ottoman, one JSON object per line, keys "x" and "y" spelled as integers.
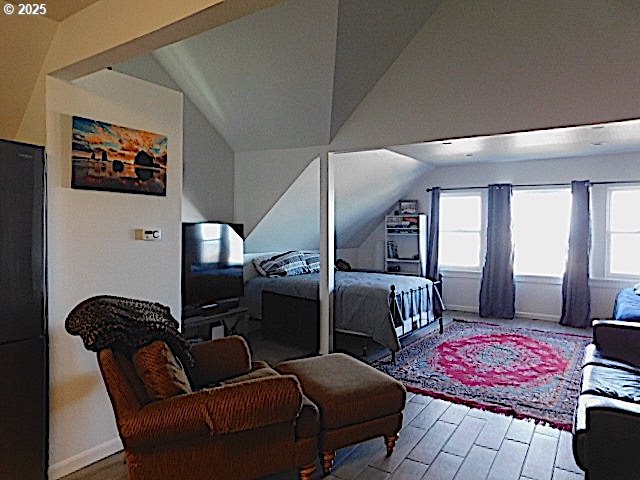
{"x": 356, "y": 401}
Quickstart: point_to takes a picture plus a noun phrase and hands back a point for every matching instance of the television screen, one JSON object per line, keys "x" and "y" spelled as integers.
{"x": 212, "y": 259}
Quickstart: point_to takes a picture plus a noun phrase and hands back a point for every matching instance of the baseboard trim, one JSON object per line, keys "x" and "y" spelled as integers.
{"x": 462, "y": 308}
{"x": 528, "y": 315}
{"x": 83, "y": 459}
{"x": 538, "y": 316}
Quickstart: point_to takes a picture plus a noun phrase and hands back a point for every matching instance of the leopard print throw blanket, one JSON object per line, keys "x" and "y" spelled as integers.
{"x": 115, "y": 322}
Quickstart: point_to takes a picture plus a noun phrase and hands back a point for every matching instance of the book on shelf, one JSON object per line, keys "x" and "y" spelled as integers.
{"x": 392, "y": 249}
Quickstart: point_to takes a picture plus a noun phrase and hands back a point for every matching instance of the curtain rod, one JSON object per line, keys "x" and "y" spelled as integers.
{"x": 611, "y": 182}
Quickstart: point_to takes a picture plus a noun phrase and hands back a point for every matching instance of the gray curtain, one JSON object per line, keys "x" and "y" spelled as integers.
{"x": 497, "y": 290}
{"x": 576, "y": 298}
{"x": 434, "y": 233}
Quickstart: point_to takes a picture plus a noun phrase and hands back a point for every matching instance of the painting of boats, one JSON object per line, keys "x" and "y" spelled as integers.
{"x": 118, "y": 159}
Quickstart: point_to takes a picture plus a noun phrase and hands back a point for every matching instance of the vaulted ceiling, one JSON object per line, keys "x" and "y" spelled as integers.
{"x": 291, "y": 75}
{"x": 303, "y": 72}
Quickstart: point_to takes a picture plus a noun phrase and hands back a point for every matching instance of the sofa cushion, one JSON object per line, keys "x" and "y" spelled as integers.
{"x": 593, "y": 356}
{"x": 160, "y": 371}
{"x": 611, "y": 382}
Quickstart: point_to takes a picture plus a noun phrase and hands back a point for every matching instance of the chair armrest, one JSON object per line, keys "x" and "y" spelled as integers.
{"x": 618, "y": 339}
{"x": 219, "y": 359}
{"x": 227, "y": 409}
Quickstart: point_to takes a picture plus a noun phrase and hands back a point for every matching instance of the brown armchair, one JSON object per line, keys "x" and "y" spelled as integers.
{"x": 242, "y": 420}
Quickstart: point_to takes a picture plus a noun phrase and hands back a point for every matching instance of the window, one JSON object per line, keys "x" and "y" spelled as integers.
{"x": 540, "y": 224}
{"x": 623, "y": 233}
{"x": 460, "y": 231}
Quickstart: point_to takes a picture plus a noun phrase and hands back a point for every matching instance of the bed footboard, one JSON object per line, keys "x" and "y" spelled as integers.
{"x": 411, "y": 316}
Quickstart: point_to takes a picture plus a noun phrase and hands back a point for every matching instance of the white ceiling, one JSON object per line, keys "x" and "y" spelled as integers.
{"x": 264, "y": 81}
{"x": 600, "y": 139}
{"x": 290, "y": 76}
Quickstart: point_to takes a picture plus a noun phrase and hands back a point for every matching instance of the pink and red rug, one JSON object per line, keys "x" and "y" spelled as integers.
{"x": 516, "y": 371}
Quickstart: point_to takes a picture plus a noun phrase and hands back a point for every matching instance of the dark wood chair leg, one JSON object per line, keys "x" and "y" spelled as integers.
{"x": 307, "y": 472}
{"x": 327, "y": 461}
{"x": 390, "y": 441}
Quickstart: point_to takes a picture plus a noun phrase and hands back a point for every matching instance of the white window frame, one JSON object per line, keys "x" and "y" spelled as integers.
{"x": 534, "y": 277}
{"x": 483, "y": 230}
{"x": 608, "y": 273}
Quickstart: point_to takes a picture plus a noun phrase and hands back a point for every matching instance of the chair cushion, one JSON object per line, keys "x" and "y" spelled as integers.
{"x": 160, "y": 371}
{"x": 220, "y": 359}
{"x": 346, "y": 390}
{"x": 252, "y": 375}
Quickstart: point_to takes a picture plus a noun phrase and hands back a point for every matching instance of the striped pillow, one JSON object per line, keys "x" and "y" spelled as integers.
{"x": 287, "y": 263}
{"x": 313, "y": 260}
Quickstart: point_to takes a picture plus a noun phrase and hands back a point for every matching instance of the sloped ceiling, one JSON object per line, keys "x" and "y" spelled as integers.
{"x": 289, "y": 76}
{"x": 371, "y": 35}
{"x": 359, "y": 208}
{"x": 24, "y": 42}
{"x": 264, "y": 81}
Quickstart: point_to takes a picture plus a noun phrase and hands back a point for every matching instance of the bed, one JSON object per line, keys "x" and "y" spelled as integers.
{"x": 379, "y": 306}
{"x": 627, "y": 305}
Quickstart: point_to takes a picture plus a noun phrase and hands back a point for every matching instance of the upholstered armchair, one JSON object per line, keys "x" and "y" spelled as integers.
{"x": 228, "y": 418}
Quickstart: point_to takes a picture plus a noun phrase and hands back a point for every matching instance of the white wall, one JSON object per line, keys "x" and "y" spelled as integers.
{"x": 92, "y": 251}
{"x": 535, "y": 298}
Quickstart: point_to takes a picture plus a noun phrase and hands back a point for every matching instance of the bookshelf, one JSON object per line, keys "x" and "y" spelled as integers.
{"x": 406, "y": 244}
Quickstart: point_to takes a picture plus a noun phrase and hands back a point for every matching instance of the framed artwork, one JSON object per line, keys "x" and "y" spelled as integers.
{"x": 117, "y": 159}
{"x": 408, "y": 206}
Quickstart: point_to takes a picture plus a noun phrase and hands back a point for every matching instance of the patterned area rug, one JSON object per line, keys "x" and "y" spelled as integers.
{"x": 516, "y": 371}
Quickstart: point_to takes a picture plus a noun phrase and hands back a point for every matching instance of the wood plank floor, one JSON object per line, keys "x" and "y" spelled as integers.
{"x": 439, "y": 441}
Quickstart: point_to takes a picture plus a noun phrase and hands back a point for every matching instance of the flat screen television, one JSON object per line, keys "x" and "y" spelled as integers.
{"x": 212, "y": 259}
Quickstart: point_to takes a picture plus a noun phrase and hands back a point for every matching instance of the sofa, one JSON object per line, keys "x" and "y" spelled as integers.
{"x": 606, "y": 430}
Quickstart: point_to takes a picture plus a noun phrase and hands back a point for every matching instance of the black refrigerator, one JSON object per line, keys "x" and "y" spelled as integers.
{"x": 23, "y": 327}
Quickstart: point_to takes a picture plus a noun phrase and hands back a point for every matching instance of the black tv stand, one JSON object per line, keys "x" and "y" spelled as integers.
{"x": 211, "y": 308}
